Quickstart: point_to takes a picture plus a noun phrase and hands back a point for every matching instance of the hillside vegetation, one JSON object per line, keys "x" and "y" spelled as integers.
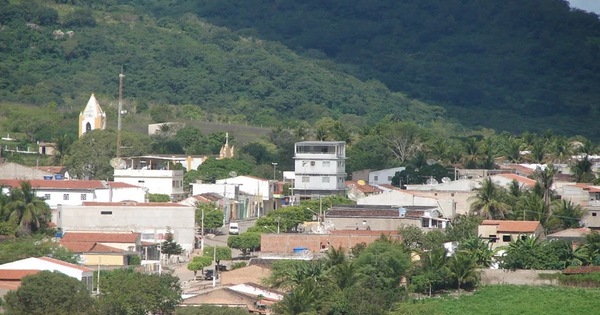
{"x": 516, "y": 65}
{"x": 62, "y": 51}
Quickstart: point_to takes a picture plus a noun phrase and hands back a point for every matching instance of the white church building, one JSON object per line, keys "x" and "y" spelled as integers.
{"x": 92, "y": 117}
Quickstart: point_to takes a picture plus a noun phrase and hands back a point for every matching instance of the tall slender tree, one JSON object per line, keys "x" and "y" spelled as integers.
{"x": 488, "y": 202}
{"x": 27, "y": 208}
{"x": 545, "y": 180}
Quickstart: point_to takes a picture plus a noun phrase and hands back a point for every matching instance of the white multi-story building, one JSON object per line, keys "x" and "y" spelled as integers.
{"x": 155, "y": 174}
{"x": 320, "y": 168}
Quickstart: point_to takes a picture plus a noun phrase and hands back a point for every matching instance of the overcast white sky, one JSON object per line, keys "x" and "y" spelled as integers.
{"x": 588, "y": 5}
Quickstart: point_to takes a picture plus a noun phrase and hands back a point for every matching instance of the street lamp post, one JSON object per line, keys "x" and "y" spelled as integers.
{"x": 274, "y": 168}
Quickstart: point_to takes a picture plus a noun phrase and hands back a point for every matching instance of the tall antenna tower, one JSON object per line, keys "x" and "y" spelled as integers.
{"x": 121, "y": 76}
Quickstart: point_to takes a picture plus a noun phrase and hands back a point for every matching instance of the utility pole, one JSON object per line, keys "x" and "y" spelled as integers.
{"x": 202, "y": 233}
{"x": 121, "y": 76}
{"x": 215, "y": 259}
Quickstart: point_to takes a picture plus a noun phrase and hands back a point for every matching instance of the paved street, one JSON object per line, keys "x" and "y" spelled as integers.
{"x": 186, "y": 276}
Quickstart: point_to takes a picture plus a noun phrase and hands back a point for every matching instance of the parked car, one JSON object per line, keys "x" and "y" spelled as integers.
{"x": 234, "y": 229}
{"x": 209, "y": 274}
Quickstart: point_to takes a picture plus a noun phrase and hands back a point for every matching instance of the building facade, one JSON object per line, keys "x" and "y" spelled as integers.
{"x": 154, "y": 174}
{"x": 92, "y": 117}
{"x": 320, "y": 168}
{"x": 149, "y": 219}
{"x": 383, "y": 177}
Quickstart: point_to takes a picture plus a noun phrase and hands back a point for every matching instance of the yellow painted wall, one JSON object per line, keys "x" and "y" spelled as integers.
{"x": 104, "y": 260}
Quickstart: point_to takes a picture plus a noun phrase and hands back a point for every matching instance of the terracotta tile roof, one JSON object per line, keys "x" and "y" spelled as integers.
{"x": 588, "y": 187}
{"x": 581, "y": 270}
{"x": 367, "y": 189}
{"x": 131, "y": 204}
{"x": 513, "y": 226}
{"x": 57, "y": 184}
{"x": 101, "y": 237}
{"x": 524, "y": 180}
{"x": 90, "y": 247}
{"x": 65, "y": 184}
{"x": 51, "y": 169}
{"x": 389, "y": 186}
{"x": 66, "y": 264}
{"x": 16, "y": 274}
{"x": 520, "y": 168}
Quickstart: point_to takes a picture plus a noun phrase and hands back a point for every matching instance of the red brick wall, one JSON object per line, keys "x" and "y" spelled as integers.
{"x": 285, "y": 243}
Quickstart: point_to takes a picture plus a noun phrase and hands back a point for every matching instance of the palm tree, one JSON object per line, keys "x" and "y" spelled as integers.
{"x": 487, "y": 201}
{"x": 335, "y": 256}
{"x": 304, "y": 298}
{"x": 568, "y": 213}
{"x": 341, "y": 133}
{"x": 512, "y": 149}
{"x": 561, "y": 149}
{"x": 544, "y": 180}
{"x": 26, "y": 208}
{"x": 462, "y": 268}
{"x": 344, "y": 275}
{"x": 321, "y": 134}
{"x": 478, "y": 249}
{"x": 300, "y": 132}
{"x": 582, "y": 170}
{"x": 538, "y": 151}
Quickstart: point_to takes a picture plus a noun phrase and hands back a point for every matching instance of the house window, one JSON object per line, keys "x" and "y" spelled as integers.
{"x": 597, "y": 196}
{"x": 83, "y": 197}
{"x": 506, "y": 238}
{"x": 594, "y": 214}
{"x": 376, "y": 178}
{"x": 492, "y": 238}
{"x": 389, "y": 178}
{"x": 326, "y": 163}
{"x": 523, "y": 237}
{"x": 66, "y": 197}
{"x": 325, "y": 179}
{"x": 425, "y": 222}
{"x": 306, "y": 179}
{"x": 47, "y": 196}
{"x": 106, "y": 212}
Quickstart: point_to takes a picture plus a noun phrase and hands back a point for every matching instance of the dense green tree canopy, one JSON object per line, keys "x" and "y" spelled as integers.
{"x": 49, "y": 293}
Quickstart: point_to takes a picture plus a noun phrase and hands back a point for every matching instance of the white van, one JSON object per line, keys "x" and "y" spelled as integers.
{"x": 234, "y": 229}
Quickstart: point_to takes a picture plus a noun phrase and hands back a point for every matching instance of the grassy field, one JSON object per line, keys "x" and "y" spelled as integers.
{"x": 512, "y": 300}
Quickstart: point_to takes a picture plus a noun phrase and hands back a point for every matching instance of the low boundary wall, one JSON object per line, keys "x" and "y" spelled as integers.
{"x": 285, "y": 243}
{"x": 517, "y": 277}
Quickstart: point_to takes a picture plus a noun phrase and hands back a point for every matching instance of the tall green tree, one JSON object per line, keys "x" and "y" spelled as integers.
{"x": 246, "y": 242}
{"x": 462, "y": 269}
{"x": 169, "y": 246}
{"x": 582, "y": 170}
{"x": 28, "y": 209}
{"x": 487, "y": 201}
{"x": 49, "y": 293}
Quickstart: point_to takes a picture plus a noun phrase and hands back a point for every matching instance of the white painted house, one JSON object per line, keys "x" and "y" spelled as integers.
{"x": 447, "y": 206}
{"x": 150, "y": 219}
{"x": 153, "y": 173}
{"x": 76, "y": 192}
{"x": 384, "y": 177}
{"x": 80, "y": 273}
{"x": 320, "y": 168}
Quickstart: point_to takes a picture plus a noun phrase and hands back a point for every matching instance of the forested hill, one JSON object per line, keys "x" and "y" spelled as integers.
{"x": 62, "y": 51}
{"x": 511, "y": 64}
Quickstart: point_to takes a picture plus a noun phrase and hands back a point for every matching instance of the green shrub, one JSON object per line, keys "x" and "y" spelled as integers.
{"x": 238, "y": 264}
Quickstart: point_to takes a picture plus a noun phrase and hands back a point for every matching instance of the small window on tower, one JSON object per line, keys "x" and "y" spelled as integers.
{"x": 88, "y": 127}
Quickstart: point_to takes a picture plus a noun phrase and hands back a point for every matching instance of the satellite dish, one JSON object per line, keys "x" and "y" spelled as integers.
{"x": 432, "y": 182}
{"x": 435, "y": 214}
{"x": 361, "y": 182}
{"x": 118, "y": 163}
{"x": 446, "y": 180}
{"x": 232, "y": 174}
{"x": 355, "y": 194}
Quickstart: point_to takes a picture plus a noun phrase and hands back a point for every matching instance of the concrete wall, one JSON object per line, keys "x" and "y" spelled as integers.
{"x": 285, "y": 243}
{"x": 104, "y": 260}
{"x": 148, "y": 220}
{"x": 250, "y": 185}
{"x": 376, "y": 224}
{"x": 462, "y": 204}
{"x": 16, "y": 171}
{"x": 517, "y": 277}
{"x": 399, "y": 198}
{"x": 362, "y": 174}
